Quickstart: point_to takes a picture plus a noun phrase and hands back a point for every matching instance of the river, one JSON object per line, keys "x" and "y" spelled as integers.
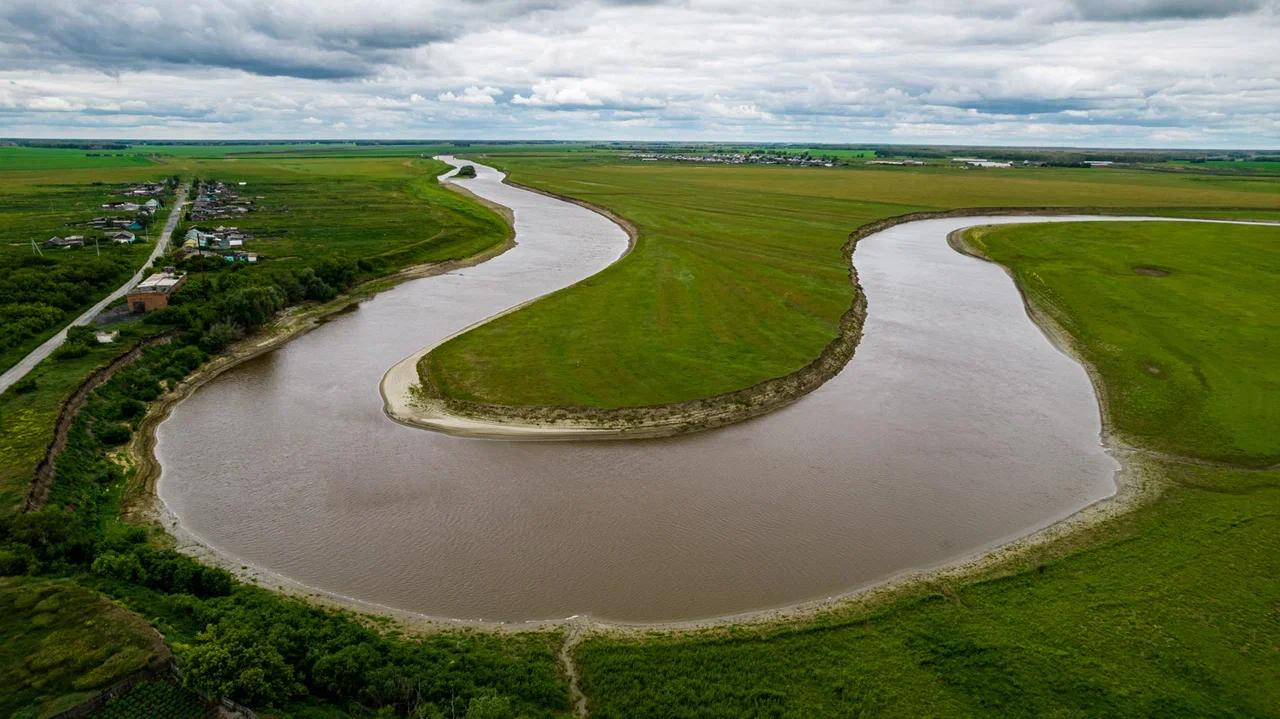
{"x": 956, "y": 427}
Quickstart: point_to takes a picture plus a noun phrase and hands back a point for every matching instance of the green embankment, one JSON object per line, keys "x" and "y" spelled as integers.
{"x": 738, "y": 276}
{"x": 61, "y": 644}
{"x": 1170, "y": 611}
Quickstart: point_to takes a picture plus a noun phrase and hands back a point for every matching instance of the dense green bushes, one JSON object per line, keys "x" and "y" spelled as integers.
{"x": 222, "y": 303}
{"x": 20, "y": 320}
{"x": 39, "y": 293}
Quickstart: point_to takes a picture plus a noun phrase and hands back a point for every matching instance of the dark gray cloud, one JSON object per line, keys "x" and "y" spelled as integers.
{"x": 313, "y": 40}
{"x": 229, "y": 34}
{"x": 321, "y": 39}
{"x": 1124, "y": 10}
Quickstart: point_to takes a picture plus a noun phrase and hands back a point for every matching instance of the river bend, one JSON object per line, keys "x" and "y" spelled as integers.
{"x": 956, "y": 427}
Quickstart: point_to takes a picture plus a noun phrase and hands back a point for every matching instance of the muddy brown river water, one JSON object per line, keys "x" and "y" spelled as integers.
{"x": 957, "y": 427}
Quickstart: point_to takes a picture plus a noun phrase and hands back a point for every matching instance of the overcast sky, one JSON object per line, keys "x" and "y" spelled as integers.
{"x": 1165, "y": 73}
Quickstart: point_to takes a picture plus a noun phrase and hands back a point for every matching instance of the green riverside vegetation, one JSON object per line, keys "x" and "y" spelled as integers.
{"x": 60, "y": 644}
{"x": 737, "y": 276}
{"x": 1168, "y": 611}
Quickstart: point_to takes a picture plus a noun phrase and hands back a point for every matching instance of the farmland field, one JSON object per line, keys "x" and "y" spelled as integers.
{"x": 157, "y": 700}
{"x": 1167, "y": 611}
{"x": 718, "y": 244}
{"x": 13, "y": 159}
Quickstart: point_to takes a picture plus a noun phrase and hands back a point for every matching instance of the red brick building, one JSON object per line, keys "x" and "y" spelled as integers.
{"x": 153, "y": 293}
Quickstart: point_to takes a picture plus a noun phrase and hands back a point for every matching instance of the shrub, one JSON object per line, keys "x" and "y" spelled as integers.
{"x": 16, "y": 560}
{"x": 239, "y": 663}
{"x": 80, "y": 334}
{"x": 219, "y": 335}
{"x": 24, "y": 385}
{"x": 125, "y": 567}
{"x": 113, "y": 434}
{"x": 71, "y": 350}
{"x": 128, "y": 408}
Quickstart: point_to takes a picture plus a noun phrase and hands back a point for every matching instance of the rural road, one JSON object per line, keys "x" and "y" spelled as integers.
{"x": 26, "y": 364}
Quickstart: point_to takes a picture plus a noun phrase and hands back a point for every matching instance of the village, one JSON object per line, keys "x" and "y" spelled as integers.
{"x": 121, "y": 228}
{"x": 214, "y": 200}
{"x": 755, "y": 157}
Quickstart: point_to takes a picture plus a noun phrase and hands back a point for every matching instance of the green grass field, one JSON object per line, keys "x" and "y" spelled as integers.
{"x": 738, "y": 276}
{"x": 389, "y": 210}
{"x": 1169, "y": 611}
{"x": 61, "y": 644}
{"x": 1174, "y": 396}
{"x": 14, "y": 158}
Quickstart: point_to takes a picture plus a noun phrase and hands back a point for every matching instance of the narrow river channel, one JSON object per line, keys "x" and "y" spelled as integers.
{"x": 956, "y": 427}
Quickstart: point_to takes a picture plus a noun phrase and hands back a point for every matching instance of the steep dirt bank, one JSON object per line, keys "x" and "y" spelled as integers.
{"x": 46, "y": 470}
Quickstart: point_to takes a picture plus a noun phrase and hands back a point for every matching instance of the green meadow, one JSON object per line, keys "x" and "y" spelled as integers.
{"x": 839, "y": 153}
{"x": 61, "y": 643}
{"x": 738, "y": 276}
{"x": 1218, "y": 284}
{"x": 1168, "y": 611}
{"x": 385, "y": 210}
{"x": 15, "y": 159}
